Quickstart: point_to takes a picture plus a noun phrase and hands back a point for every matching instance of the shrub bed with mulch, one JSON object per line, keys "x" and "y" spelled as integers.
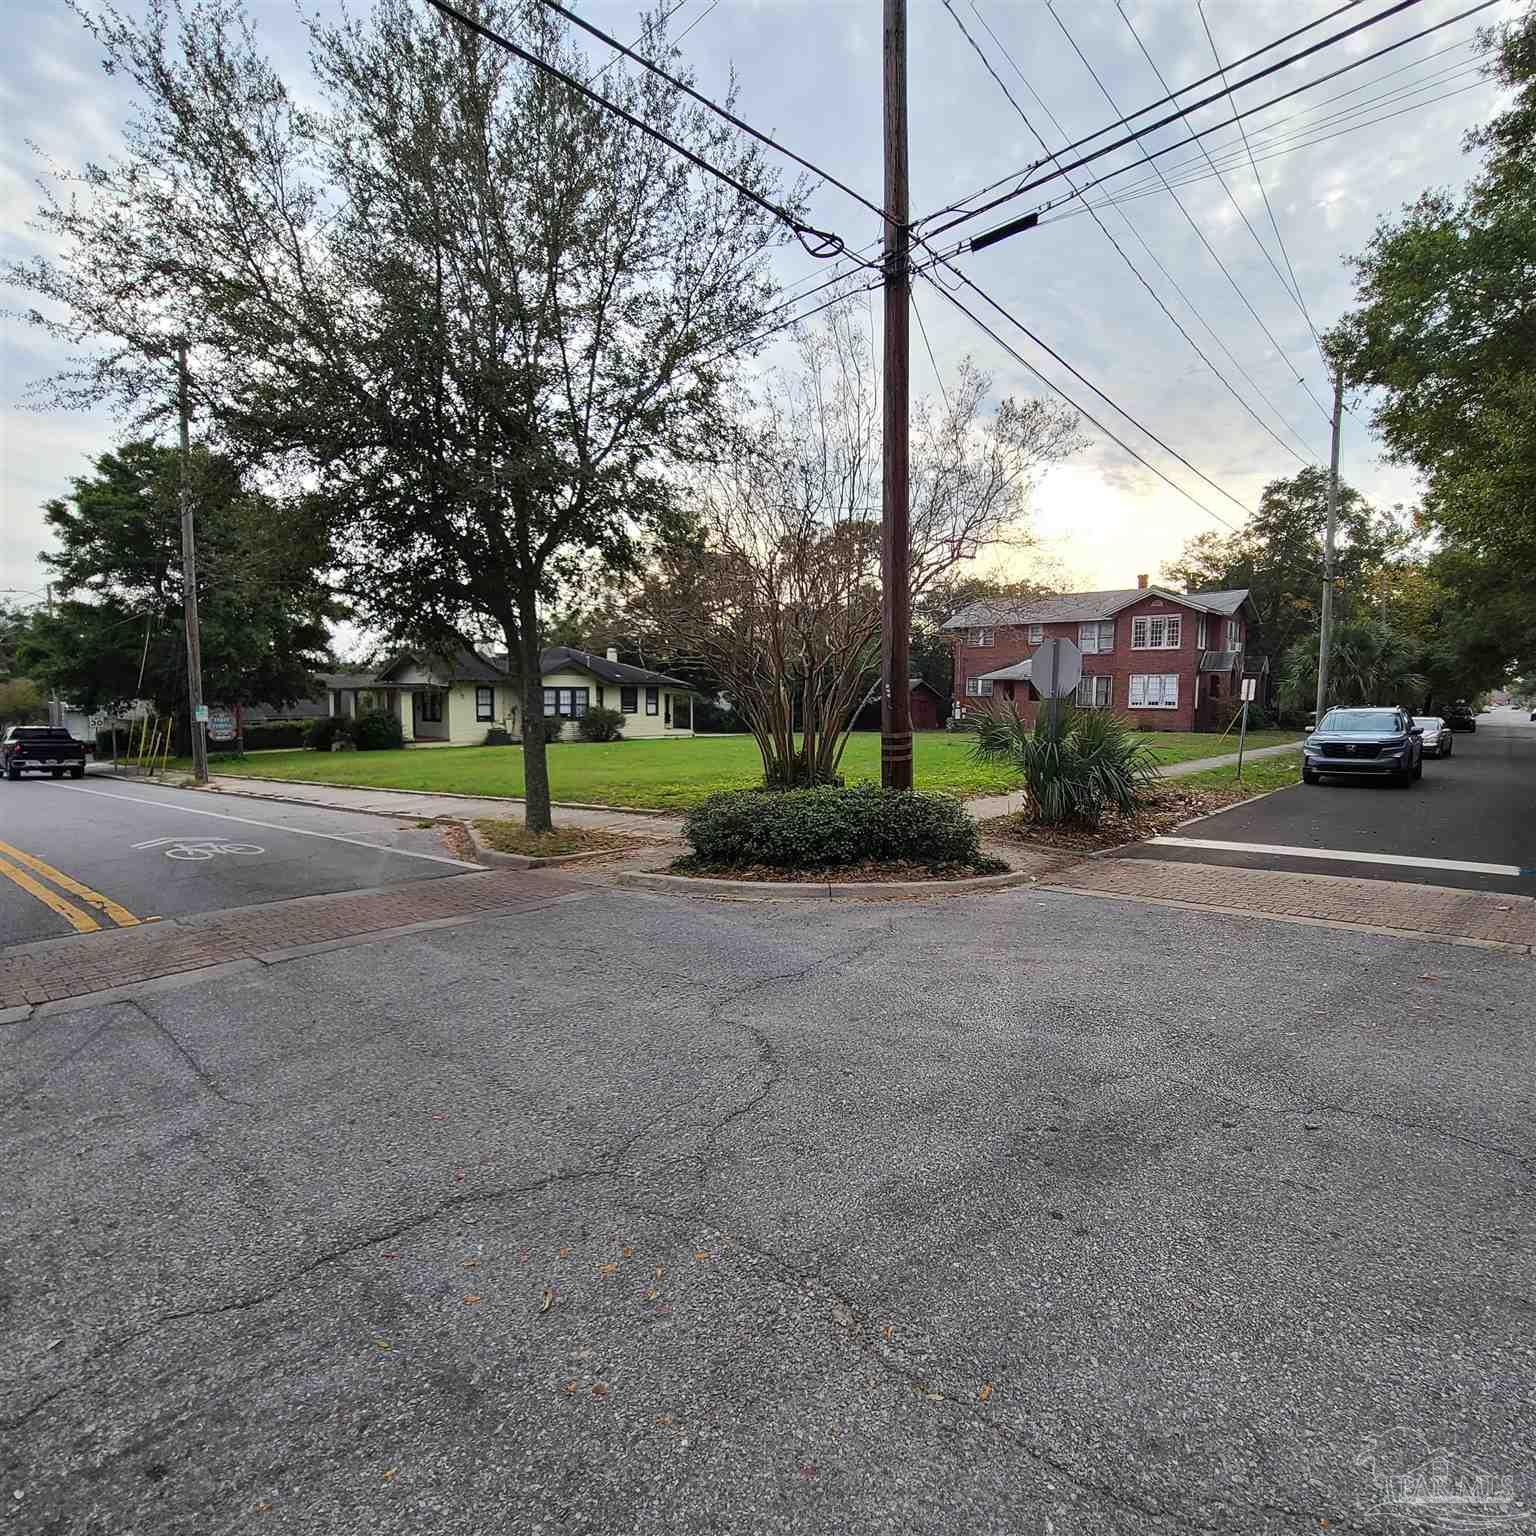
{"x": 1164, "y": 809}
{"x": 833, "y": 835}
{"x": 514, "y": 837}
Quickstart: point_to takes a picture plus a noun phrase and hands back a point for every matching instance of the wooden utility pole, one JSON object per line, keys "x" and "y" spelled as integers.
{"x": 1325, "y": 635}
{"x": 189, "y": 579}
{"x": 895, "y": 539}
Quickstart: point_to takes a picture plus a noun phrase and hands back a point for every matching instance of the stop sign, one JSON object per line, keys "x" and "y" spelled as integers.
{"x": 1055, "y": 669}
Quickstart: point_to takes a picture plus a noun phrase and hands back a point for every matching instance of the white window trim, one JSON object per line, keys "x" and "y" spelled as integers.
{"x": 980, "y": 637}
{"x": 1166, "y": 682}
{"x": 1200, "y": 632}
{"x": 1234, "y": 634}
{"x": 1173, "y": 632}
{"x": 1092, "y": 639}
{"x": 1035, "y": 634}
{"x": 978, "y": 687}
{"x": 1100, "y": 690}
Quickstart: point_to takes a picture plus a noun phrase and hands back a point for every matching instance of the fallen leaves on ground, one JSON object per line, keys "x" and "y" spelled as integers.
{"x": 985, "y": 1392}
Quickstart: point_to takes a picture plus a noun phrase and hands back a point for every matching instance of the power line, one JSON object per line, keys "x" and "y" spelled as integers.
{"x": 1293, "y": 292}
{"x": 1189, "y": 218}
{"x": 1140, "y": 133}
{"x": 1120, "y": 250}
{"x": 651, "y": 28}
{"x": 1214, "y": 128}
{"x": 927, "y": 346}
{"x": 1278, "y": 42}
{"x": 820, "y": 243}
{"x": 1119, "y": 442}
{"x": 1265, "y": 139}
{"x": 1152, "y": 188}
{"x": 713, "y": 106}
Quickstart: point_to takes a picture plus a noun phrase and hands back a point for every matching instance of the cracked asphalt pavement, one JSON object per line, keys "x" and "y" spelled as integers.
{"x": 1018, "y": 1213}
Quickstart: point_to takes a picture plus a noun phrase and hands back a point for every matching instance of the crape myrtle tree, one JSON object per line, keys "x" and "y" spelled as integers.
{"x": 775, "y": 585}
{"x": 480, "y": 317}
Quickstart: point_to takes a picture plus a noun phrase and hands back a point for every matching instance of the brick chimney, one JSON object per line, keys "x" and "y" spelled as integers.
{"x": 613, "y": 653}
{"x": 1141, "y": 583}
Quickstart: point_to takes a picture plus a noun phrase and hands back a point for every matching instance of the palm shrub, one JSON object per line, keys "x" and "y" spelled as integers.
{"x": 1074, "y": 770}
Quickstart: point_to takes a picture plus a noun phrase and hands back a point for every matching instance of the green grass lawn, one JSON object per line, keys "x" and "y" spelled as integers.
{"x": 663, "y": 775}
{"x": 1259, "y": 775}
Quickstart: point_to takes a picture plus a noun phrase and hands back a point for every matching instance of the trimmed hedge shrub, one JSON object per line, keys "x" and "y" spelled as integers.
{"x": 324, "y": 733}
{"x": 820, "y": 828}
{"x": 599, "y": 724}
{"x": 377, "y": 731}
{"x": 275, "y": 733}
{"x": 498, "y": 736}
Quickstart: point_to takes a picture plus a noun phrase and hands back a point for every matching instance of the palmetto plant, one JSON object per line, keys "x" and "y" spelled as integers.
{"x": 1075, "y": 769}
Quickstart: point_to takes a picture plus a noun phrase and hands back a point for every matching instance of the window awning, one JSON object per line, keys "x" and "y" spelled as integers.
{"x": 1017, "y": 673}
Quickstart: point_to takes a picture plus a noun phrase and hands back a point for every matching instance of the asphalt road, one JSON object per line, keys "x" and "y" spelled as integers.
{"x": 1027, "y": 1213}
{"x": 153, "y": 852}
{"x": 1476, "y": 807}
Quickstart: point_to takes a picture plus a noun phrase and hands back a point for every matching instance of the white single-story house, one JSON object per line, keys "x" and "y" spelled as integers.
{"x": 458, "y": 700}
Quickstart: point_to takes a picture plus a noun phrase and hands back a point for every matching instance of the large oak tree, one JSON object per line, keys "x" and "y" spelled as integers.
{"x": 483, "y": 317}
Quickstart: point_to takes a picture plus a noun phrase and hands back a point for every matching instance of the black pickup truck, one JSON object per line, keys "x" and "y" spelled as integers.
{"x": 41, "y": 749}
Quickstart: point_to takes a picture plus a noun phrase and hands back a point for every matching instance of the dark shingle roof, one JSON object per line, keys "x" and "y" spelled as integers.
{"x": 471, "y": 666}
{"x": 1083, "y": 607}
{"x": 560, "y": 657}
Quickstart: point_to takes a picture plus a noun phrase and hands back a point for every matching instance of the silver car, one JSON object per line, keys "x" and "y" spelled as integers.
{"x": 1437, "y": 735}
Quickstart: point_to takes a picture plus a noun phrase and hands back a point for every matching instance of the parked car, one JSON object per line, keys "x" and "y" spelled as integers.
{"x": 1364, "y": 743}
{"x": 1437, "y": 735}
{"x": 41, "y": 749}
{"x": 1460, "y": 717}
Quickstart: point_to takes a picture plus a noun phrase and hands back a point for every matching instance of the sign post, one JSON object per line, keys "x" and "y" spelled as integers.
{"x": 1056, "y": 668}
{"x": 1250, "y": 687}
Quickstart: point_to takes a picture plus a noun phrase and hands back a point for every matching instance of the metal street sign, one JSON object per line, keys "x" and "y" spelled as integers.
{"x": 1250, "y": 689}
{"x": 1056, "y": 668}
{"x": 200, "y": 713}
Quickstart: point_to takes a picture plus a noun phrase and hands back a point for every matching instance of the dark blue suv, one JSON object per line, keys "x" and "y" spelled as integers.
{"x": 1364, "y": 743}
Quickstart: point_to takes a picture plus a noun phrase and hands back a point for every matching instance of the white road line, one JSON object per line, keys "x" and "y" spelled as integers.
{"x": 1345, "y": 856}
{"x": 273, "y": 826}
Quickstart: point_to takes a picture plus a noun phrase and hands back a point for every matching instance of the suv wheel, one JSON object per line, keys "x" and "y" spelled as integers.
{"x": 1307, "y": 775}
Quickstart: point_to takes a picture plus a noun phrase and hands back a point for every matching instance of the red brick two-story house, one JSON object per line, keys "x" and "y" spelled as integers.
{"x": 1166, "y": 660}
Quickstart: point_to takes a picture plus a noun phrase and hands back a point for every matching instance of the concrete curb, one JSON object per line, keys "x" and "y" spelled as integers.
{"x": 531, "y": 861}
{"x": 794, "y": 890}
{"x": 425, "y": 794}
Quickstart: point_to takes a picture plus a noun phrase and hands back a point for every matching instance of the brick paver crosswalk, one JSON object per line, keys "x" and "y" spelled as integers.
{"x": 1441, "y": 911}
{"x": 73, "y": 967}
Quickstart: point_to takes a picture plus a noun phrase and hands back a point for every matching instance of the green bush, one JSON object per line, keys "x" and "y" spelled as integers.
{"x": 274, "y": 733}
{"x": 498, "y": 736}
{"x": 1074, "y": 770}
{"x": 599, "y": 724}
{"x": 820, "y": 828}
{"x": 324, "y": 733}
{"x": 377, "y": 731}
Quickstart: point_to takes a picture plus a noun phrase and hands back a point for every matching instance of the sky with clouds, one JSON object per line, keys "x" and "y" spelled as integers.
{"x": 1334, "y": 160}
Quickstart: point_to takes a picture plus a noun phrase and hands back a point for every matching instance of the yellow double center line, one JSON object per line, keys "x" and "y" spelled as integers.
{"x": 14, "y": 865}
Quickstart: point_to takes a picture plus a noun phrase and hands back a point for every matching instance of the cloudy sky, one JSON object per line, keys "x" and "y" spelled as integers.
{"x": 1334, "y": 160}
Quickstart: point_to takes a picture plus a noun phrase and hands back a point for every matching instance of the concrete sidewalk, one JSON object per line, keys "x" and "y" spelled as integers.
{"x": 415, "y": 805}
{"x": 1004, "y": 805}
